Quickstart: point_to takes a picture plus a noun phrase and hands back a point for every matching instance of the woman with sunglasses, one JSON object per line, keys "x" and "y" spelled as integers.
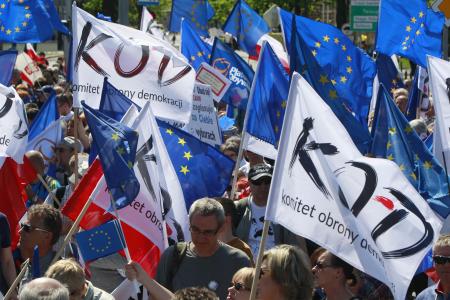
{"x": 285, "y": 275}
{"x": 334, "y": 276}
{"x": 241, "y": 284}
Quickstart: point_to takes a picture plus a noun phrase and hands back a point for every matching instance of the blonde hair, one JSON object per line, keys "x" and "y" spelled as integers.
{"x": 289, "y": 266}
{"x": 442, "y": 241}
{"x": 247, "y": 275}
{"x": 68, "y": 272}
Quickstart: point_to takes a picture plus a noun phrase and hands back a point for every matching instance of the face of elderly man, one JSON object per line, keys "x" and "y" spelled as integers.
{"x": 441, "y": 255}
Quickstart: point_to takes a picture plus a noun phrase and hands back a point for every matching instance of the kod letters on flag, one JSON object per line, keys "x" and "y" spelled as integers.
{"x": 144, "y": 68}
{"x": 366, "y": 211}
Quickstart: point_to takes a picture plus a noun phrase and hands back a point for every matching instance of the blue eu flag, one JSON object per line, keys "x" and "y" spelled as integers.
{"x": 270, "y": 91}
{"x": 414, "y": 97}
{"x": 29, "y": 21}
{"x": 46, "y": 116}
{"x": 395, "y": 140}
{"x": 388, "y": 74}
{"x": 100, "y": 241}
{"x": 409, "y": 29}
{"x": 193, "y": 47}
{"x": 302, "y": 60}
{"x": 116, "y": 144}
{"x": 232, "y": 66}
{"x": 197, "y": 12}
{"x": 246, "y": 26}
{"x": 7, "y": 62}
{"x": 348, "y": 68}
{"x": 202, "y": 170}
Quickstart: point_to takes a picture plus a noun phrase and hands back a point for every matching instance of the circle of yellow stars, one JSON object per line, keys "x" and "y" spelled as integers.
{"x": 200, "y": 4}
{"x": 187, "y": 154}
{"x": 413, "y": 29}
{"x": 20, "y": 24}
{"x": 120, "y": 149}
{"x": 94, "y": 235}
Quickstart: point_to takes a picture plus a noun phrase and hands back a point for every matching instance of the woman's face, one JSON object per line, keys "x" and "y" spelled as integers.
{"x": 323, "y": 272}
{"x": 238, "y": 290}
{"x": 268, "y": 288}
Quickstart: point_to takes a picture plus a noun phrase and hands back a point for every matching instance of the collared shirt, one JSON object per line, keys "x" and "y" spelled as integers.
{"x": 434, "y": 292}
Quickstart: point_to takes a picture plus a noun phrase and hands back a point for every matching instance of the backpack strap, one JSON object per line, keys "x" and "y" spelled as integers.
{"x": 59, "y": 194}
{"x": 179, "y": 252}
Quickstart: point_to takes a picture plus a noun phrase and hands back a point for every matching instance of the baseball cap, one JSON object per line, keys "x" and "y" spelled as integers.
{"x": 71, "y": 143}
{"x": 259, "y": 171}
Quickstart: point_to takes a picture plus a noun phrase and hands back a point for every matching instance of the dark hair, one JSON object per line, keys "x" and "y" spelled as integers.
{"x": 50, "y": 217}
{"x": 65, "y": 98}
{"x": 194, "y": 293}
{"x": 228, "y": 206}
{"x": 347, "y": 269}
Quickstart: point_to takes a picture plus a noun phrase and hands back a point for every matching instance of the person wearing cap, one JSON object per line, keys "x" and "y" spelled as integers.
{"x": 64, "y": 151}
{"x": 251, "y": 212}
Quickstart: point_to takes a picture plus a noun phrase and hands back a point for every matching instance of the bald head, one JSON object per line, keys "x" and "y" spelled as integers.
{"x": 44, "y": 288}
{"x": 37, "y": 161}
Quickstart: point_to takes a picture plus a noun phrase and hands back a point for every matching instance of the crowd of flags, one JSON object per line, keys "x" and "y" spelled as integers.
{"x": 346, "y": 78}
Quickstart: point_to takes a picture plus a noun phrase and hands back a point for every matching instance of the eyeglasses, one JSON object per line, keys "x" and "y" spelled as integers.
{"x": 207, "y": 232}
{"x": 321, "y": 266}
{"x": 265, "y": 181}
{"x": 441, "y": 260}
{"x": 239, "y": 286}
{"x": 28, "y": 228}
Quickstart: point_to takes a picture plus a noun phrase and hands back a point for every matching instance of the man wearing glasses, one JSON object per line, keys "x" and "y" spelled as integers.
{"x": 251, "y": 212}
{"x": 205, "y": 262}
{"x": 441, "y": 259}
{"x": 42, "y": 229}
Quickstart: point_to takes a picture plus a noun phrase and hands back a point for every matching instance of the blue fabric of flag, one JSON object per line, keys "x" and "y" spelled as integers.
{"x": 232, "y": 66}
{"x": 7, "y": 63}
{"x": 100, "y": 241}
{"x": 302, "y": 61}
{"x": 349, "y": 68}
{"x": 409, "y": 29}
{"x": 246, "y": 26}
{"x": 103, "y": 17}
{"x": 46, "y": 115}
{"x": 388, "y": 74}
{"x": 414, "y": 98}
{"x": 35, "y": 265}
{"x": 195, "y": 11}
{"x": 203, "y": 171}
{"x": 193, "y": 47}
{"x": 429, "y": 142}
{"x": 29, "y": 21}
{"x": 394, "y": 139}
{"x": 116, "y": 144}
{"x": 268, "y": 103}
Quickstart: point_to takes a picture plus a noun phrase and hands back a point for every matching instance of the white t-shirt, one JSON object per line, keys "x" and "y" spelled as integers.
{"x": 256, "y": 229}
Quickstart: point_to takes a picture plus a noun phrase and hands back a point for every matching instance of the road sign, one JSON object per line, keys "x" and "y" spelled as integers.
{"x": 364, "y": 15}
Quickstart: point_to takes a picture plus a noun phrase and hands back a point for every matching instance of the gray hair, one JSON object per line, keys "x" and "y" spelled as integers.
{"x": 207, "y": 207}
{"x": 44, "y": 289}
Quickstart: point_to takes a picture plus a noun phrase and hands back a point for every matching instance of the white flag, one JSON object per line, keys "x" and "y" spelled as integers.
{"x": 361, "y": 209}
{"x": 143, "y": 67}
{"x": 13, "y": 125}
{"x": 146, "y": 20}
{"x": 47, "y": 141}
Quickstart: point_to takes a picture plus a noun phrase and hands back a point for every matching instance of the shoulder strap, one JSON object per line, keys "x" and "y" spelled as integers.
{"x": 179, "y": 252}
{"x": 59, "y": 195}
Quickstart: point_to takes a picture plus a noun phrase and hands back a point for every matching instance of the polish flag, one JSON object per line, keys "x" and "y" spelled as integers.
{"x": 277, "y": 47}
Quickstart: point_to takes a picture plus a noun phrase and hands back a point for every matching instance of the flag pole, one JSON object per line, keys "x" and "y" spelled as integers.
{"x": 446, "y": 172}
{"x": 41, "y": 179}
{"x": 259, "y": 259}
{"x": 244, "y": 126}
{"x": 17, "y": 280}
{"x": 75, "y": 125}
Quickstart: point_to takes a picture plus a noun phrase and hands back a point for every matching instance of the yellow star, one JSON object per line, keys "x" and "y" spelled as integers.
{"x": 407, "y": 38}
{"x": 416, "y": 157}
{"x": 115, "y": 136}
{"x": 349, "y": 58}
{"x": 408, "y": 28}
{"x": 278, "y": 114}
{"x": 184, "y": 170}
{"x": 209, "y": 55}
{"x": 344, "y": 48}
{"x": 388, "y": 145}
{"x": 181, "y": 141}
{"x": 3, "y": 5}
{"x": 413, "y": 176}
{"x": 392, "y": 130}
{"x": 276, "y": 129}
{"x": 120, "y": 150}
{"x": 8, "y": 32}
{"x": 333, "y": 81}
{"x": 332, "y": 94}
{"x": 394, "y": 82}
{"x": 323, "y": 79}
{"x": 349, "y": 70}
{"x": 343, "y": 79}
{"x": 408, "y": 129}
{"x": 402, "y": 167}
{"x": 28, "y": 16}
{"x": 413, "y": 20}
{"x": 130, "y": 165}
{"x": 17, "y": 29}
{"x": 314, "y": 52}
{"x": 24, "y": 24}
{"x": 417, "y": 32}
{"x": 326, "y": 38}
{"x": 427, "y": 165}
{"x": 390, "y": 157}
{"x": 192, "y": 58}
{"x": 187, "y": 155}
{"x": 169, "y": 131}
{"x": 392, "y": 90}
{"x": 283, "y": 104}
{"x": 336, "y": 40}
{"x": 421, "y": 25}
{"x": 27, "y": 7}
{"x": 317, "y": 44}
{"x": 199, "y": 54}
{"x": 421, "y": 14}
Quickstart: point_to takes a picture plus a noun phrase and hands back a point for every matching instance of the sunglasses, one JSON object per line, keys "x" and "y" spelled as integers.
{"x": 265, "y": 181}
{"x": 207, "y": 232}
{"x": 321, "y": 266}
{"x": 239, "y": 286}
{"x": 28, "y": 228}
{"x": 441, "y": 260}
